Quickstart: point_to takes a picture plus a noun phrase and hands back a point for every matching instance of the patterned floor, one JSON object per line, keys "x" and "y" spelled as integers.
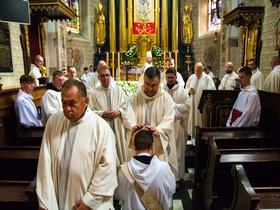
{"x": 182, "y": 197}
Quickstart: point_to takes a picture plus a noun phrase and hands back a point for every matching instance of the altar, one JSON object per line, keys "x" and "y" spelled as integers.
{"x": 131, "y": 75}
{"x": 143, "y": 26}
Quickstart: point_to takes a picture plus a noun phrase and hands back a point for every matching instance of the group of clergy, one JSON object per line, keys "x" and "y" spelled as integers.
{"x": 163, "y": 104}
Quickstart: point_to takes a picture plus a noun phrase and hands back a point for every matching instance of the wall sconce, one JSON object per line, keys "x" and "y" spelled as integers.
{"x": 69, "y": 38}
{"x": 215, "y": 39}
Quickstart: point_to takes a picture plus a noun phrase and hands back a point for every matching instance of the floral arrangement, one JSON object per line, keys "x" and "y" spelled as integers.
{"x": 157, "y": 55}
{"x": 156, "y": 51}
{"x": 130, "y": 54}
{"x": 128, "y": 87}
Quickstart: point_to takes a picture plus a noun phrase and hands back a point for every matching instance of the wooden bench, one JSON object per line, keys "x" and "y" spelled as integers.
{"x": 8, "y": 120}
{"x": 218, "y": 184}
{"x": 17, "y": 178}
{"x": 257, "y": 189}
{"x": 31, "y": 136}
{"x": 201, "y": 150}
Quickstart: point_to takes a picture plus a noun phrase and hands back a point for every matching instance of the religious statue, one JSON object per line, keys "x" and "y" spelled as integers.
{"x": 252, "y": 41}
{"x": 187, "y": 28}
{"x": 100, "y": 25}
{"x": 43, "y": 71}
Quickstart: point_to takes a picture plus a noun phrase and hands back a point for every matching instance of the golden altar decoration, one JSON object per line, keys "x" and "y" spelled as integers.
{"x": 51, "y": 9}
{"x": 249, "y": 19}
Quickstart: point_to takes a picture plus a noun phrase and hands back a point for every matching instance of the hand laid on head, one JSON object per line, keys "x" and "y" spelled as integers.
{"x": 137, "y": 127}
{"x": 153, "y": 130}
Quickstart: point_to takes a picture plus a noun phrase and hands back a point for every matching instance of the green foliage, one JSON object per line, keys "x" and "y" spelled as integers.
{"x": 129, "y": 56}
{"x": 128, "y": 87}
{"x": 157, "y": 54}
{"x": 157, "y": 51}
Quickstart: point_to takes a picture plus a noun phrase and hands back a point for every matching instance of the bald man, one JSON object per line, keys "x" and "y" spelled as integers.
{"x": 272, "y": 82}
{"x": 195, "y": 85}
{"x": 94, "y": 82}
{"x": 35, "y": 68}
{"x": 229, "y": 80}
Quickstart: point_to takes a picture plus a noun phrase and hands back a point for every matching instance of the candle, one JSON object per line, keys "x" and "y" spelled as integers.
{"x": 119, "y": 66}
{"x": 176, "y": 61}
{"x": 113, "y": 65}
{"x": 169, "y": 54}
{"x": 164, "y": 65}
{"x": 107, "y": 58}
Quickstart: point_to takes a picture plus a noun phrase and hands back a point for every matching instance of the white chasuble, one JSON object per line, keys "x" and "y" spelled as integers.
{"x": 161, "y": 117}
{"x": 205, "y": 82}
{"x": 113, "y": 97}
{"x": 76, "y": 162}
{"x": 182, "y": 107}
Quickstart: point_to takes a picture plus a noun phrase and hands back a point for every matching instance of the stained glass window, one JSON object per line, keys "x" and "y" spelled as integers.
{"x": 214, "y": 14}
{"x": 74, "y": 25}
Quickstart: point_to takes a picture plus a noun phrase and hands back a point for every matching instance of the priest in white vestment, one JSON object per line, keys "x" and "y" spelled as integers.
{"x": 86, "y": 75}
{"x": 246, "y": 110}
{"x": 107, "y": 101}
{"x": 145, "y": 170}
{"x": 94, "y": 82}
{"x": 257, "y": 78}
{"x": 272, "y": 82}
{"x": 72, "y": 72}
{"x": 181, "y": 99}
{"x": 25, "y": 108}
{"x": 35, "y": 68}
{"x": 51, "y": 100}
{"x": 228, "y": 82}
{"x": 169, "y": 63}
{"x": 152, "y": 107}
{"x": 195, "y": 85}
{"x": 148, "y": 63}
{"x": 77, "y": 161}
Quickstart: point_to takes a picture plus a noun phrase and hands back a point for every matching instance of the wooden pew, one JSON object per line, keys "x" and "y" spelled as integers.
{"x": 18, "y": 171}
{"x": 8, "y": 120}
{"x": 215, "y": 106}
{"x": 251, "y": 190}
{"x": 201, "y": 150}
{"x": 31, "y": 136}
{"x": 218, "y": 184}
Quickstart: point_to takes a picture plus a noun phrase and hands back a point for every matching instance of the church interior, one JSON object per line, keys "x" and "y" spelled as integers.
{"x": 80, "y": 33}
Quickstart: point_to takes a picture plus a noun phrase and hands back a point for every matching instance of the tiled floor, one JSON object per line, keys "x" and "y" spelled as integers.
{"x": 182, "y": 197}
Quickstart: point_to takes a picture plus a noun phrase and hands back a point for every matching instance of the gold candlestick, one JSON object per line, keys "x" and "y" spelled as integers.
{"x": 119, "y": 66}
{"x": 113, "y": 65}
{"x": 164, "y": 65}
{"x": 175, "y": 60}
{"x": 107, "y": 58}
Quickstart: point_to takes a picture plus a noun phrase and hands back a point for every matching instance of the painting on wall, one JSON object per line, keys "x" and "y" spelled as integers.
{"x": 6, "y": 64}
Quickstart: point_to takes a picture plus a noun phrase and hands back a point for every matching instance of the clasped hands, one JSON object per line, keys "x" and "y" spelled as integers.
{"x": 191, "y": 91}
{"x": 139, "y": 126}
{"x": 111, "y": 114}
